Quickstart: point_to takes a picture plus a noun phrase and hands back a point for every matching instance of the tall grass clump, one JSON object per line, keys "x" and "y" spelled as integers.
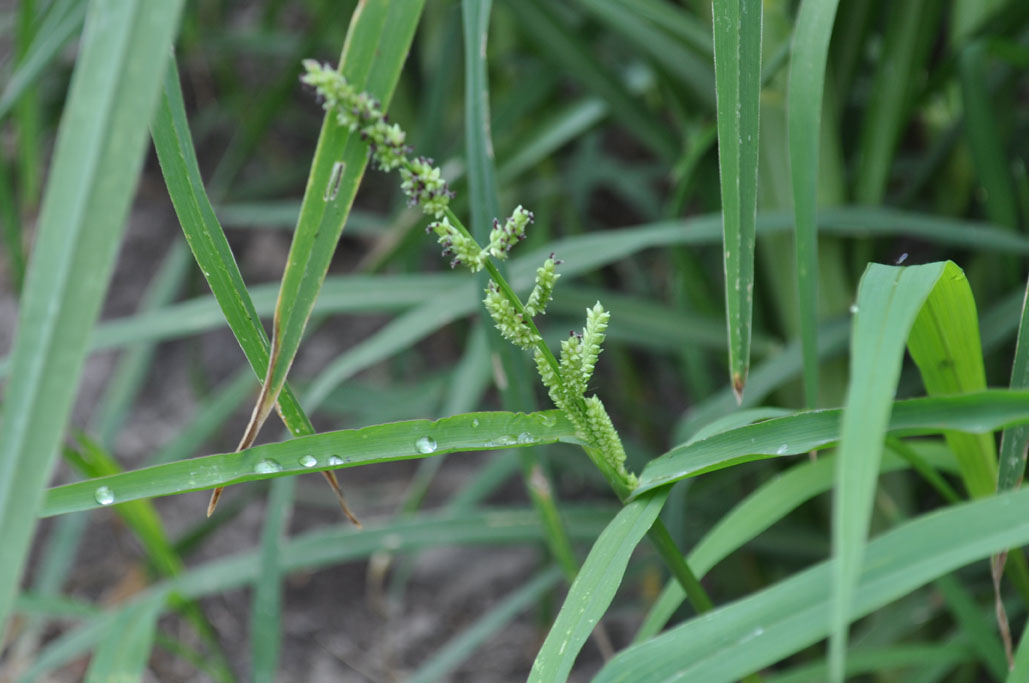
{"x": 826, "y": 198}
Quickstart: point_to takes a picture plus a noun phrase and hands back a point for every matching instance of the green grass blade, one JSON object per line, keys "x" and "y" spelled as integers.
{"x": 740, "y": 418}
{"x": 678, "y": 21}
{"x": 123, "y": 654}
{"x": 595, "y": 587}
{"x": 266, "y": 605}
{"x": 968, "y": 16}
{"x": 559, "y": 129}
{"x": 889, "y": 301}
{"x": 330, "y": 450}
{"x": 61, "y": 24}
{"x": 911, "y": 657}
{"x": 12, "y": 228}
{"x": 462, "y": 646}
{"x": 772, "y": 624}
{"x": 377, "y": 43}
{"x": 481, "y": 174}
{"x": 737, "y": 41}
{"x": 768, "y": 504}
{"x": 93, "y": 175}
{"x": 804, "y": 109}
{"x": 977, "y": 413}
{"x": 1014, "y": 439}
{"x": 1014, "y": 442}
{"x": 177, "y": 157}
{"x": 1020, "y": 670}
{"x": 560, "y": 44}
{"x": 341, "y": 294}
{"x": 175, "y": 152}
{"x": 983, "y": 131}
{"x": 944, "y": 343}
{"x": 686, "y": 66}
{"x": 909, "y": 29}
{"x": 31, "y": 603}
{"x": 28, "y": 116}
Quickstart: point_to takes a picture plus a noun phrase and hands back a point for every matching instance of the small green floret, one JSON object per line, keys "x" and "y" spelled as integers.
{"x": 503, "y": 237}
{"x": 543, "y": 290}
{"x": 508, "y": 320}
{"x": 464, "y": 250}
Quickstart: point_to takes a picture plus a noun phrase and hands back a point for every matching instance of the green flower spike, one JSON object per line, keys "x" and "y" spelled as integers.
{"x": 503, "y": 237}
{"x": 592, "y": 338}
{"x": 358, "y": 111}
{"x": 605, "y": 439}
{"x": 543, "y": 291}
{"x": 386, "y": 143}
{"x": 463, "y": 248}
{"x": 507, "y": 320}
{"x": 423, "y": 183}
{"x": 571, "y": 366}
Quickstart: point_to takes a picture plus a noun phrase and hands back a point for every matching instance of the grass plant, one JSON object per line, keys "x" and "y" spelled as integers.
{"x": 828, "y": 198}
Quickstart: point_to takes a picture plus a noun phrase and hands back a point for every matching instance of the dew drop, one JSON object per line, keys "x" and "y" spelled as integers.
{"x": 475, "y": 422}
{"x": 308, "y": 461}
{"x": 853, "y": 309}
{"x": 503, "y": 440}
{"x": 526, "y": 437}
{"x": 782, "y": 449}
{"x": 335, "y": 460}
{"x": 547, "y": 420}
{"x": 426, "y": 444}
{"x": 104, "y": 495}
{"x": 267, "y": 467}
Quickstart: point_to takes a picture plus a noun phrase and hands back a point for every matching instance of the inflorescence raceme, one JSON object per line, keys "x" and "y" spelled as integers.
{"x": 425, "y": 187}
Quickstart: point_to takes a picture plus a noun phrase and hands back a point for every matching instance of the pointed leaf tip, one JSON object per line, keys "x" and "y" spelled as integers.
{"x": 738, "y": 381}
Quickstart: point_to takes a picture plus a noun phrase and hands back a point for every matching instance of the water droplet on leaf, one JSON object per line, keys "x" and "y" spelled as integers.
{"x": 308, "y": 461}
{"x": 426, "y": 444}
{"x": 104, "y": 495}
{"x": 335, "y": 460}
{"x": 267, "y": 467}
{"x": 503, "y": 440}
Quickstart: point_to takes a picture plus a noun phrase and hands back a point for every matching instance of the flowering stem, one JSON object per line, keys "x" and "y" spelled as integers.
{"x": 501, "y": 282}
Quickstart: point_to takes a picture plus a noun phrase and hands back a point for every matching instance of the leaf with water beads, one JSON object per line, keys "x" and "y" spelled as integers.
{"x": 320, "y": 452}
